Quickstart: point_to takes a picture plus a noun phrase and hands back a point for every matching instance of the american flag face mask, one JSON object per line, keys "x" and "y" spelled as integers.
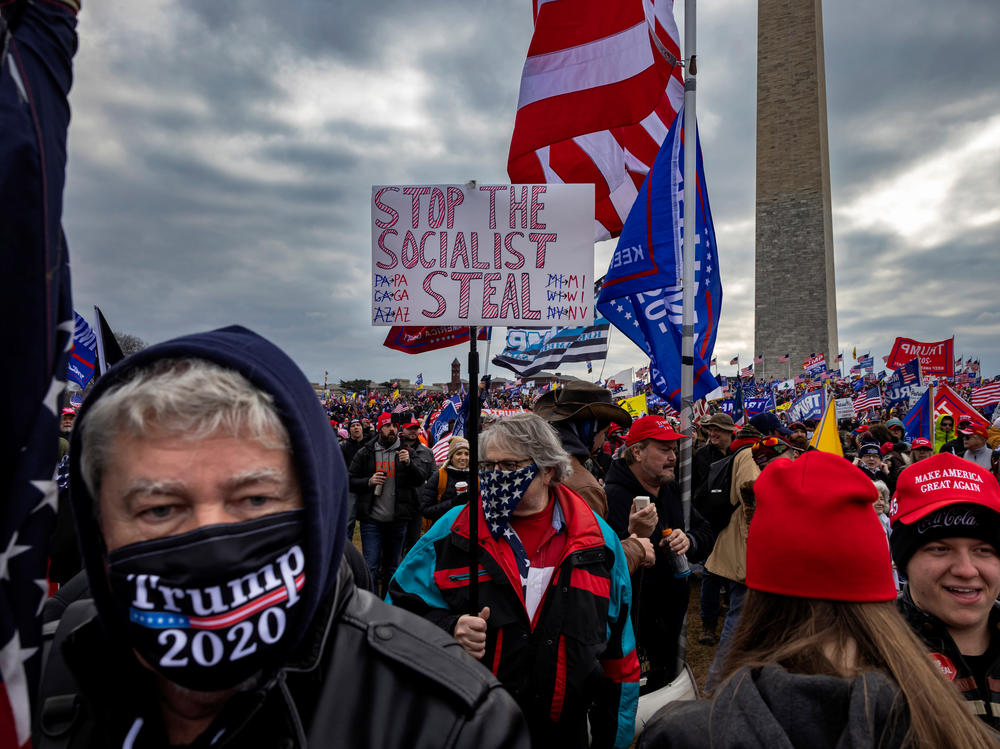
{"x": 209, "y": 609}
{"x": 501, "y": 491}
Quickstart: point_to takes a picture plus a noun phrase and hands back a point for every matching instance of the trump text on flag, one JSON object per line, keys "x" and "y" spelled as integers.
{"x": 482, "y": 255}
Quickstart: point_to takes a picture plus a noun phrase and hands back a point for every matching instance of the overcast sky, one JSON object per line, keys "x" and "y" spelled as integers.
{"x": 221, "y": 157}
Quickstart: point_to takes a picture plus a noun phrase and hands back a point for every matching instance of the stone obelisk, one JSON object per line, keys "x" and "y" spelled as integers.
{"x": 795, "y": 300}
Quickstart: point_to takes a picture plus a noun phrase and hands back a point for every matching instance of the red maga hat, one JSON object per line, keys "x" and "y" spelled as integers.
{"x": 652, "y": 428}
{"x": 921, "y": 442}
{"x": 974, "y": 428}
{"x": 941, "y": 480}
{"x": 383, "y": 419}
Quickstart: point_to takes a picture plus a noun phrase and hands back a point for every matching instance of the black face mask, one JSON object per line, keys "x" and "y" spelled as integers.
{"x": 208, "y": 609}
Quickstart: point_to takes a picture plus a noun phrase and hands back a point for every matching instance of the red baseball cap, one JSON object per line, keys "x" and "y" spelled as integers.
{"x": 652, "y": 427}
{"x": 67, "y": 411}
{"x": 383, "y": 419}
{"x": 941, "y": 480}
{"x": 410, "y": 423}
{"x": 921, "y": 442}
{"x": 974, "y": 428}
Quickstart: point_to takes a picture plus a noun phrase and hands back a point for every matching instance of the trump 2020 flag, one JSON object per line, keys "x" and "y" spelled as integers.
{"x": 84, "y": 353}
{"x": 642, "y": 293}
{"x": 899, "y": 383}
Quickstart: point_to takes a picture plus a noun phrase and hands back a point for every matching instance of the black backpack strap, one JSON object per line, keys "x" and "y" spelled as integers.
{"x": 58, "y": 695}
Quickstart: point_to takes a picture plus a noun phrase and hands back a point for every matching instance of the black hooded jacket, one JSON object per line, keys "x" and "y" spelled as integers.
{"x": 355, "y": 672}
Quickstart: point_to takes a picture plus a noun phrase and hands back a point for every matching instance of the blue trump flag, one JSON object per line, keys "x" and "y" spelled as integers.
{"x": 448, "y": 411}
{"x": 84, "y": 353}
{"x": 918, "y": 421}
{"x": 897, "y": 387}
{"x": 642, "y": 293}
{"x": 812, "y": 405}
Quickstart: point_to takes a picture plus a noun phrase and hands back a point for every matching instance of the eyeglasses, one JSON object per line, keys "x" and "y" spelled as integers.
{"x": 503, "y": 465}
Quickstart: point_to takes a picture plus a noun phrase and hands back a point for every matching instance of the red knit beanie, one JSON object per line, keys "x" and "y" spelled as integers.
{"x": 815, "y": 534}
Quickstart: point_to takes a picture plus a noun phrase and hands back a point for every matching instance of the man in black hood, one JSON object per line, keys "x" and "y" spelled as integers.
{"x": 210, "y": 504}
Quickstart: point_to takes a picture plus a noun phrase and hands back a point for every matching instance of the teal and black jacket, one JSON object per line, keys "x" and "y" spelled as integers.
{"x": 577, "y": 659}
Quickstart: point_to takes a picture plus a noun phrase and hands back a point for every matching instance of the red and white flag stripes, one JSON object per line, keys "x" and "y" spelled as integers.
{"x": 599, "y": 90}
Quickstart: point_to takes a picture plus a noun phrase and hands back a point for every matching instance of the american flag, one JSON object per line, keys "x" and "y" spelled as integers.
{"x": 747, "y": 371}
{"x": 734, "y": 361}
{"x": 34, "y": 287}
{"x": 840, "y": 356}
{"x": 909, "y": 376}
{"x": 759, "y": 359}
{"x": 600, "y": 87}
{"x": 870, "y": 398}
{"x": 856, "y": 369}
{"x": 784, "y": 358}
{"x": 440, "y": 451}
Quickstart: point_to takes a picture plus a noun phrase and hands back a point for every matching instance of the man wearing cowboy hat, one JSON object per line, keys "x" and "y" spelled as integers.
{"x": 581, "y": 413}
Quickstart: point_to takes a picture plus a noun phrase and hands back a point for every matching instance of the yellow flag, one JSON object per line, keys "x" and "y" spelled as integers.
{"x": 855, "y": 353}
{"x": 636, "y": 406}
{"x": 826, "y": 438}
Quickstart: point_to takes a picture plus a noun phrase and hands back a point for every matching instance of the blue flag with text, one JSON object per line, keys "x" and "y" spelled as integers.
{"x": 81, "y": 359}
{"x": 642, "y": 293}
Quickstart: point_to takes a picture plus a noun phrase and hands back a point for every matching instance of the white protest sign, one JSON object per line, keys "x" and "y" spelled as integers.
{"x": 843, "y": 408}
{"x": 511, "y": 255}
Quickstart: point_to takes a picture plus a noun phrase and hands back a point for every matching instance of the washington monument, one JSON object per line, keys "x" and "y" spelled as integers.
{"x": 795, "y": 299}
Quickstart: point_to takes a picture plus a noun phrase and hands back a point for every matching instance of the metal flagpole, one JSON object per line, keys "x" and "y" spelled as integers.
{"x": 472, "y": 435}
{"x": 690, "y": 221}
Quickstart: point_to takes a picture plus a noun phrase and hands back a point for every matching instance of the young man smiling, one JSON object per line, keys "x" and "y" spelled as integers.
{"x": 945, "y": 538}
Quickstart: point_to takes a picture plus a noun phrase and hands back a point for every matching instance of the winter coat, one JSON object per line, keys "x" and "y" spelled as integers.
{"x": 435, "y": 503}
{"x": 770, "y": 707}
{"x": 577, "y": 658}
{"x": 729, "y": 557}
{"x": 349, "y": 671}
{"x": 365, "y": 675}
{"x": 409, "y": 479}
{"x": 945, "y": 653}
{"x": 622, "y": 487}
{"x": 662, "y": 598}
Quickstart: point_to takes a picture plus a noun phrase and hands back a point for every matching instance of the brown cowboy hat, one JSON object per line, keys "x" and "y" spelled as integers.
{"x": 581, "y": 400}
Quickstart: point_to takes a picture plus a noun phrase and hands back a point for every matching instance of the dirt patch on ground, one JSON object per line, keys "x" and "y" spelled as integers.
{"x": 699, "y": 657}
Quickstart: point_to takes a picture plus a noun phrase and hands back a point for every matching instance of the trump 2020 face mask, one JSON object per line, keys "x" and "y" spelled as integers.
{"x": 208, "y": 609}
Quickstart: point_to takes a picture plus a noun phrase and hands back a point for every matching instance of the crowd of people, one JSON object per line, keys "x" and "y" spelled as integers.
{"x": 259, "y": 565}
{"x": 208, "y": 590}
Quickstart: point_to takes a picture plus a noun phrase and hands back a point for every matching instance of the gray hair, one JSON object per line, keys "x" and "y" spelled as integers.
{"x": 883, "y": 490}
{"x": 529, "y": 435}
{"x": 193, "y": 399}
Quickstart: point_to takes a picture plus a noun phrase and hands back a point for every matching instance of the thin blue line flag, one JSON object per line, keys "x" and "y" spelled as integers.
{"x": 642, "y": 293}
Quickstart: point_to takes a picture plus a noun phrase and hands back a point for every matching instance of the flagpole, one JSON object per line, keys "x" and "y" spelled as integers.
{"x": 472, "y": 435}
{"x": 690, "y": 221}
